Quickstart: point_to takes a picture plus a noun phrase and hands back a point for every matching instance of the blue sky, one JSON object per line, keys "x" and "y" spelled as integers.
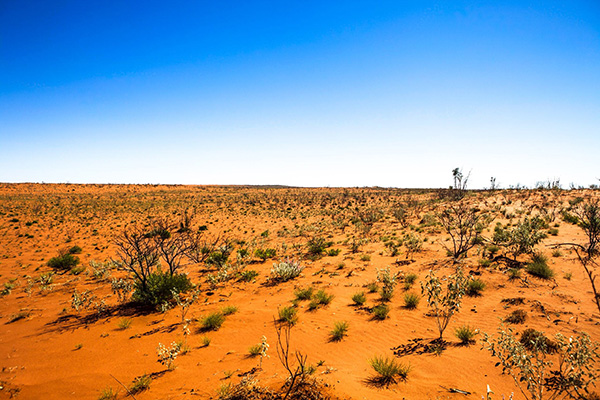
{"x": 310, "y": 93}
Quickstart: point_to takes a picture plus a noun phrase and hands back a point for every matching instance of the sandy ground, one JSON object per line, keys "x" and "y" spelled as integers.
{"x": 55, "y": 352}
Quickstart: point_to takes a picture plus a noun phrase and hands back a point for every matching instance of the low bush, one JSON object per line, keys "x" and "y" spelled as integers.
{"x": 285, "y": 270}
{"x": 160, "y": 287}
{"x": 248, "y": 275}
{"x": 63, "y": 262}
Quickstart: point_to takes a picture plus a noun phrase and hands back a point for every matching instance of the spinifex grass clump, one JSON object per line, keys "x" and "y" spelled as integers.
{"x": 213, "y": 321}
{"x": 288, "y": 315}
{"x": 539, "y": 267}
{"x": 388, "y": 370}
{"x": 320, "y": 298}
{"x": 465, "y": 334}
{"x": 411, "y": 300}
{"x": 340, "y": 329}
{"x": 475, "y": 287}
{"x": 359, "y": 298}
{"x": 380, "y": 312}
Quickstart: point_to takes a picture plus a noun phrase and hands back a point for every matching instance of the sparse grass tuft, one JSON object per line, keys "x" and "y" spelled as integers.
{"x": 388, "y": 370}
{"x": 228, "y": 310}
{"x": 288, "y": 314}
{"x": 380, "y": 312}
{"x": 409, "y": 280}
{"x": 140, "y": 384}
{"x": 539, "y": 267}
{"x": 124, "y": 323}
{"x": 474, "y": 287}
{"x": 213, "y": 321}
{"x": 465, "y": 334}
{"x": 205, "y": 340}
{"x": 372, "y": 287}
{"x": 339, "y": 331}
{"x": 359, "y": 298}
{"x": 108, "y": 394}
{"x": 411, "y": 300}
{"x": 304, "y": 293}
{"x": 255, "y": 350}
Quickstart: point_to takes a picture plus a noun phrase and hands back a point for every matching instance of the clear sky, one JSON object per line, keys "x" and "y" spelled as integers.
{"x": 309, "y": 93}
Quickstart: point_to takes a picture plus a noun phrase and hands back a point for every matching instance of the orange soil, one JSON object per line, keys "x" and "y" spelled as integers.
{"x": 57, "y": 353}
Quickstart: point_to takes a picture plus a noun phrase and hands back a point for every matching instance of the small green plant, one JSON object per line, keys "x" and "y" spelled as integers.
{"x": 124, "y": 323}
{"x": 388, "y": 371}
{"x": 380, "y": 311}
{"x": 359, "y": 298}
{"x": 333, "y": 252}
{"x": 264, "y": 254}
{"x": 365, "y": 258}
{"x": 316, "y": 247}
{"x": 248, "y": 275}
{"x": 340, "y": 329}
{"x": 140, "y": 384}
{"x": 322, "y": 297}
{"x": 75, "y": 250}
{"x": 411, "y": 300}
{"x": 475, "y": 287}
{"x": 372, "y": 287}
{"x": 159, "y": 288}
{"x": 513, "y": 274}
{"x": 288, "y": 315}
{"x": 568, "y": 276}
{"x": 304, "y": 293}
{"x": 557, "y": 253}
{"x": 213, "y": 321}
{"x": 465, "y": 334}
{"x": 108, "y": 394}
{"x": 228, "y": 310}
{"x": 205, "y": 340}
{"x": 409, "y": 280}
{"x": 539, "y": 267}
{"x": 254, "y": 350}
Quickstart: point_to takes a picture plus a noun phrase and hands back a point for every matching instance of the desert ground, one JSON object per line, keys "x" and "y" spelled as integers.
{"x": 78, "y": 331}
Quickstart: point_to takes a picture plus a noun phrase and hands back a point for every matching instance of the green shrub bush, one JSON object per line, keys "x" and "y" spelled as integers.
{"x": 63, "y": 262}
{"x": 159, "y": 288}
